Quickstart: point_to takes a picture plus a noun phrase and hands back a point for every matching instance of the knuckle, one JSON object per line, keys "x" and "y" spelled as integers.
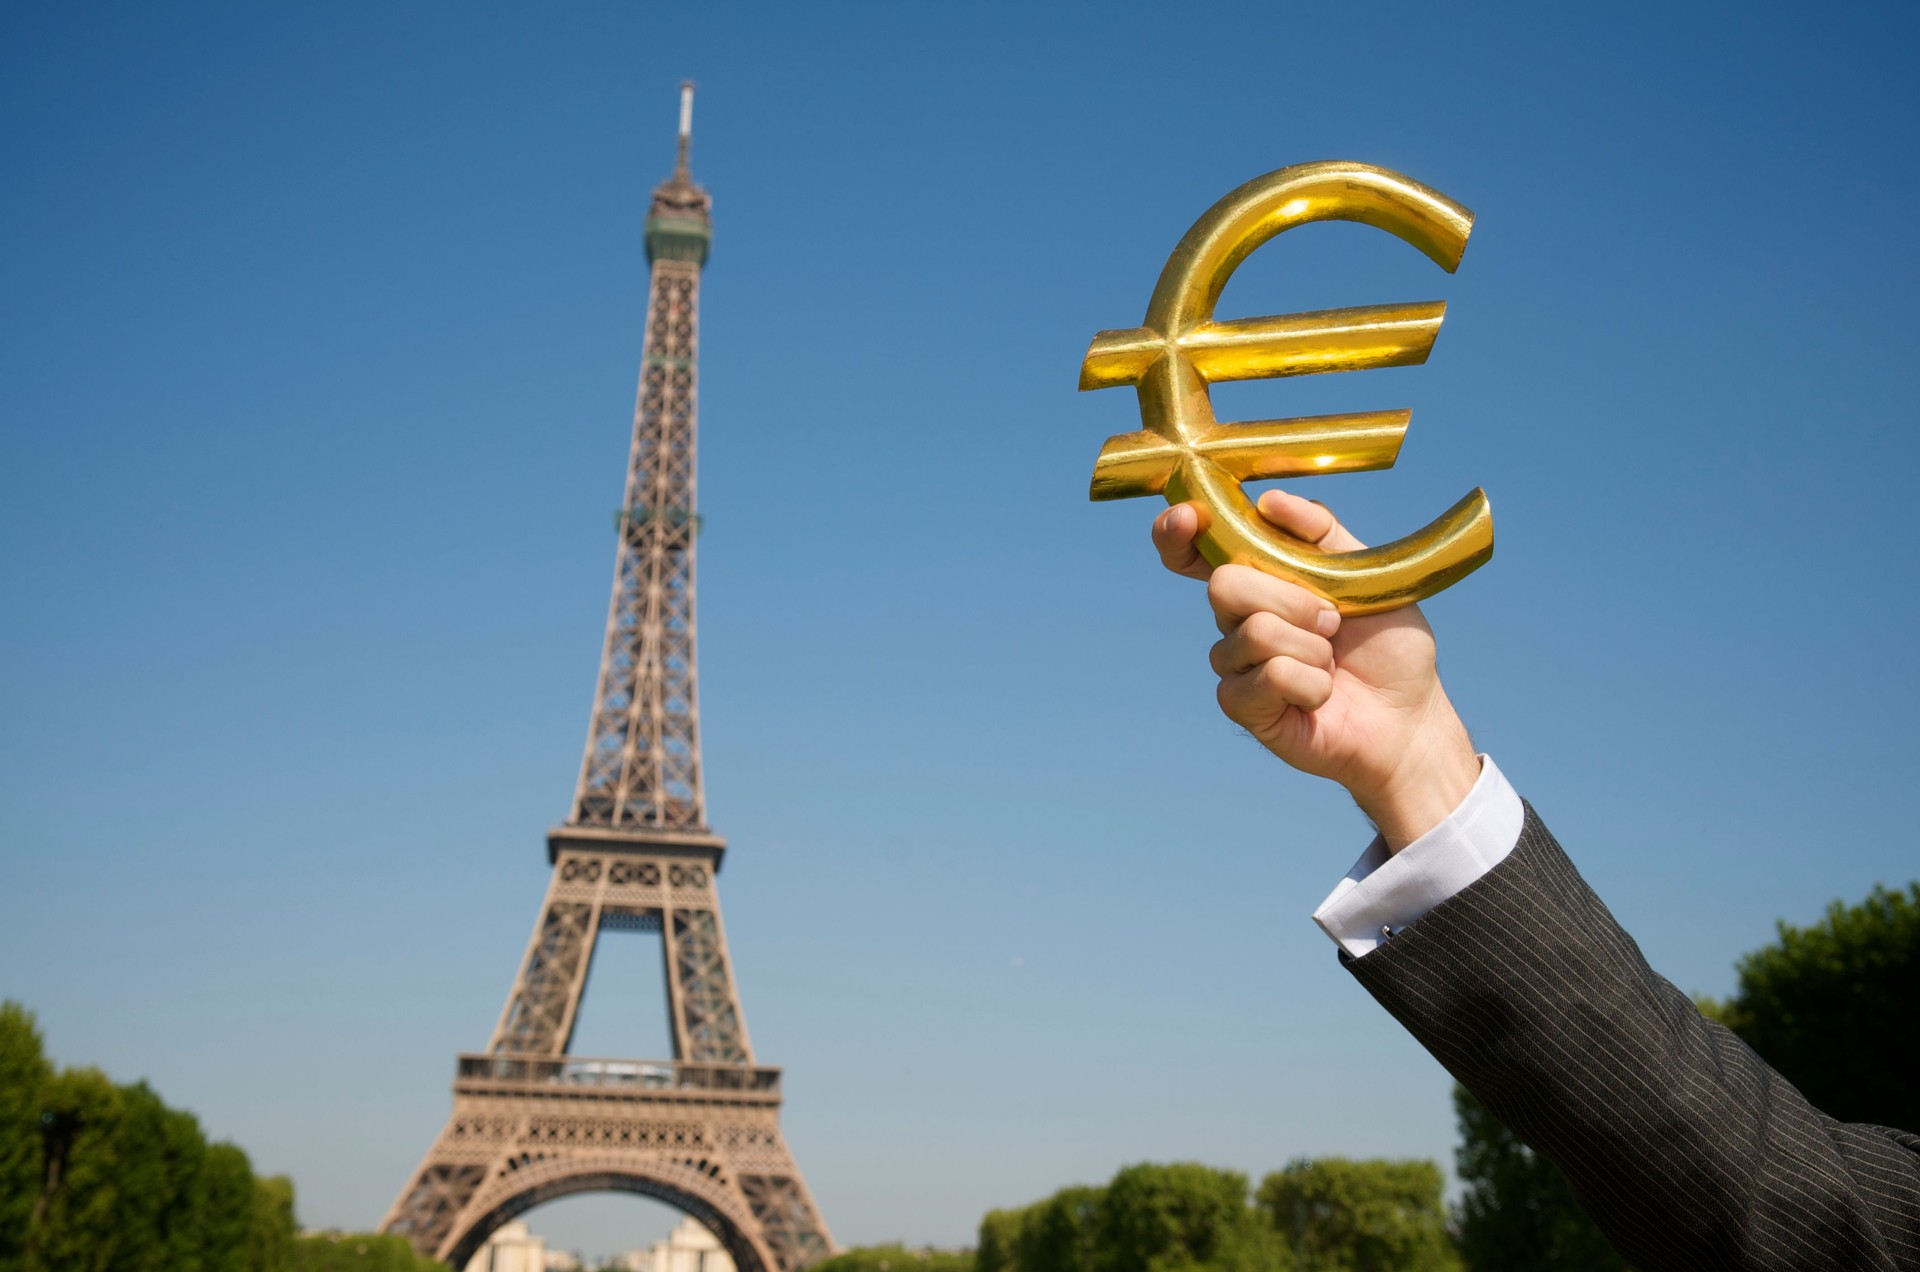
{"x": 1278, "y": 674}
{"x": 1265, "y": 630}
{"x": 1224, "y": 587}
{"x": 1299, "y": 604}
{"x": 1231, "y": 695}
{"x": 1239, "y": 583}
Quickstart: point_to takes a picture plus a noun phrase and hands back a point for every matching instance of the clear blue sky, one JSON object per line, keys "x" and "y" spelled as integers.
{"x": 320, "y": 334}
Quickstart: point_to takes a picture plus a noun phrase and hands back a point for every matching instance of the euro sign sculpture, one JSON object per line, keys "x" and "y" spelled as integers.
{"x": 1185, "y": 454}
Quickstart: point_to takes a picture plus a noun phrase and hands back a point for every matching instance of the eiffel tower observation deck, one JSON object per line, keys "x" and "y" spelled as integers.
{"x": 699, "y": 1130}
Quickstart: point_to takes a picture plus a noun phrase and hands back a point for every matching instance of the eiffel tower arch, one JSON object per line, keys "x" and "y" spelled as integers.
{"x": 701, "y": 1130}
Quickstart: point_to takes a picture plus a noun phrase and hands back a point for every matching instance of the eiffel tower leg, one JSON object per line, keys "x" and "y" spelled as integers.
{"x": 708, "y": 1024}
{"x": 540, "y": 1012}
{"x": 790, "y": 1225}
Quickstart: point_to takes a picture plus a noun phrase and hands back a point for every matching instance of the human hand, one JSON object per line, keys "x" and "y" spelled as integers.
{"x": 1355, "y": 700}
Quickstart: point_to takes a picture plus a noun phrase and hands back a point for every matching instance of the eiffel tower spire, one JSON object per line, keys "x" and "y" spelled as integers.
{"x": 686, "y": 130}
{"x": 641, "y": 770}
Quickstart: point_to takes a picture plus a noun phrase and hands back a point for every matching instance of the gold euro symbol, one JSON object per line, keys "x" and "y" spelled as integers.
{"x": 1185, "y": 453}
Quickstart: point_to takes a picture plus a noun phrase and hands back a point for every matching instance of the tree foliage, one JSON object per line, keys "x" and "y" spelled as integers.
{"x": 270, "y": 1230}
{"x": 1061, "y": 1232}
{"x": 96, "y": 1177}
{"x": 1332, "y": 1215}
{"x": 75, "y": 1226}
{"x": 896, "y": 1258}
{"x": 23, "y": 1074}
{"x": 1831, "y": 1007}
{"x": 1154, "y": 1218}
{"x": 358, "y": 1252}
{"x": 1338, "y": 1215}
{"x": 227, "y": 1211}
{"x": 1149, "y": 1218}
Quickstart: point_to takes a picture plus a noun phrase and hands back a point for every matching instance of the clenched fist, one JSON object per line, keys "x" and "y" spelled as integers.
{"x": 1354, "y": 700}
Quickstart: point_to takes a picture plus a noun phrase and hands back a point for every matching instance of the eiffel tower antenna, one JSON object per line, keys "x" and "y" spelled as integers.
{"x": 686, "y": 129}
{"x": 701, "y": 1131}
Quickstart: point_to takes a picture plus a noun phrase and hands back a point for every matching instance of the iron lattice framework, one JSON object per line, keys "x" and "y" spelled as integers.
{"x": 702, "y": 1131}
{"x": 642, "y": 766}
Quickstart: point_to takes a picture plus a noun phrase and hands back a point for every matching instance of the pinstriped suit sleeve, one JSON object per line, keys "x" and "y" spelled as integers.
{"x": 1686, "y": 1149}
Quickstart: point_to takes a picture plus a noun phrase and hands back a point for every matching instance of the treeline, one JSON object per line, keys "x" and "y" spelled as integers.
{"x": 896, "y": 1258}
{"x": 102, "y": 1177}
{"x": 99, "y": 1177}
{"x": 1313, "y": 1216}
{"x": 1328, "y": 1215}
{"x": 358, "y": 1252}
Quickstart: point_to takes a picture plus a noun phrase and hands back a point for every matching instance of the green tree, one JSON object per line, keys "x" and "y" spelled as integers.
{"x": 358, "y": 1252}
{"x": 1160, "y": 1218}
{"x": 270, "y": 1225}
{"x": 999, "y": 1242}
{"x": 1063, "y": 1232}
{"x": 227, "y": 1189}
{"x": 1059, "y": 1234}
{"x": 1338, "y": 1215}
{"x": 896, "y": 1258}
{"x": 1150, "y": 1218}
{"x": 95, "y": 1176}
{"x": 1518, "y": 1212}
{"x": 24, "y": 1072}
{"x": 1831, "y": 1007}
{"x": 158, "y": 1156}
{"x": 76, "y": 1224}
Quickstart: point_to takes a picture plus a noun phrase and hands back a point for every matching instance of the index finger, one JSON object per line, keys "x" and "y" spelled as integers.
{"x": 1238, "y": 591}
{"x": 1174, "y": 532}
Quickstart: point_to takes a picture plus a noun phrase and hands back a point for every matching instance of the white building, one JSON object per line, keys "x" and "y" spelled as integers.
{"x": 688, "y": 1248}
{"x": 511, "y": 1249}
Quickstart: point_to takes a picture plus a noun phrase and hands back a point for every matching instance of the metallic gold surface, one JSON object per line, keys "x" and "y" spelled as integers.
{"x": 1185, "y": 453}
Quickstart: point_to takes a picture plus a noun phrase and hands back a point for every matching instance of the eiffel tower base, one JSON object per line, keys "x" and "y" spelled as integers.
{"x": 527, "y": 1130}
{"x": 532, "y": 1123}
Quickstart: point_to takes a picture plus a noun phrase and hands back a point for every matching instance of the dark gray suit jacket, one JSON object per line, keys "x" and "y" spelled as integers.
{"x": 1686, "y": 1149}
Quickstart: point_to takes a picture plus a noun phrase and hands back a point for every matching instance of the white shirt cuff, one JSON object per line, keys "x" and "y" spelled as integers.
{"x": 1383, "y": 893}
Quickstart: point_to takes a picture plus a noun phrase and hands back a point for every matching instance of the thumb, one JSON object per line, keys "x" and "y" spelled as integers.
{"x": 1307, "y": 520}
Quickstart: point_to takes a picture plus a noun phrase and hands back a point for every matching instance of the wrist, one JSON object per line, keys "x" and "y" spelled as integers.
{"x": 1434, "y": 776}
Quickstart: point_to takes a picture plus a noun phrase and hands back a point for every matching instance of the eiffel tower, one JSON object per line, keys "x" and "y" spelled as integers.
{"x": 532, "y": 1122}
